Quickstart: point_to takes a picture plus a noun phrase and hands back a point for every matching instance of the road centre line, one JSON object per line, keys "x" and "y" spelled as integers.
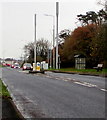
{"x": 90, "y": 84}
{"x": 74, "y": 81}
{"x": 65, "y": 80}
{"x": 86, "y": 84}
{"x": 49, "y": 76}
{"x": 57, "y": 78}
{"x": 24, "y": 71}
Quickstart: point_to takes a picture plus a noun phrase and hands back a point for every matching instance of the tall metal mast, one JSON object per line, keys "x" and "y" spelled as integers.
{"x": 57, "y": 12}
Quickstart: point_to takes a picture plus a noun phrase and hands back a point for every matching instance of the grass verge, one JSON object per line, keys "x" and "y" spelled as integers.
{"x": 3, "y": 90}
{"x": 9, "y": 110}
{"x": 83, "y": 71}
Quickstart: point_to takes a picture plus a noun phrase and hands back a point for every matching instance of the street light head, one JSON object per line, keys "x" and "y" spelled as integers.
{"x": 46, "y": 14}
{"x": 49, "y": 15}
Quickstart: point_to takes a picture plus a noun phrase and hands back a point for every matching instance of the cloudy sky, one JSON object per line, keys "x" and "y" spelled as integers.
{"x": 17, "y": 21}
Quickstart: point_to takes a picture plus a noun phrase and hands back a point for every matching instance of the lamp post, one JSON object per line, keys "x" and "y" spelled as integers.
{"x": 53, "y": 38}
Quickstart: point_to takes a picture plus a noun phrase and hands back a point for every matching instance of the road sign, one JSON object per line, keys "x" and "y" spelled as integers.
{"x": 38, "y": 66}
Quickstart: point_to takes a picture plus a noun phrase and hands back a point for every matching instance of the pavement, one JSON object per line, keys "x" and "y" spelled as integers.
{"x": 9, "y": 110}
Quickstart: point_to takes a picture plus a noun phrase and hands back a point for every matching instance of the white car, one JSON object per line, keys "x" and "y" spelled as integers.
{"x": 27, "y": 66}
{"x": 16, "y": 65}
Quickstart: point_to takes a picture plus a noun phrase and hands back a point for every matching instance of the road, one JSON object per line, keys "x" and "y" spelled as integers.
{"x": 56, "y": 95}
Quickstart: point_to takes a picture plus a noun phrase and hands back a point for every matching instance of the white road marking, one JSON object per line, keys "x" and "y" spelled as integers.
{"x": 48, "y": 76}
{"x": 104, "y": 90}
{"x": 81, "y": 84}
{"x": 57, "y": 78}
{"x": 69, "y": 78}
{"x": 24, "y": 71}
{"x": 85, "y": 84}
{"x": 90, "y": 84}
{"x": 65, "y": 80}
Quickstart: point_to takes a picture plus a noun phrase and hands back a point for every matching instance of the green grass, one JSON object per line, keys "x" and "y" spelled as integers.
{"x": 3, "y": 90}
{"x": 90, "y": 71}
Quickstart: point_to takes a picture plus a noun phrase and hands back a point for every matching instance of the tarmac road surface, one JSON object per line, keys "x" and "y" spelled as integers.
{"x": 55, "y": 96}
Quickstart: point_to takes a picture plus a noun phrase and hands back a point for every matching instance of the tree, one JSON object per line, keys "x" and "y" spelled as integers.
{"x": 42, "y": 47}
{"x": 87, "y": 40}
{"x": 29, "y": 52}
{"x": 63, "y": 35}
{"x": 92, "y": 18}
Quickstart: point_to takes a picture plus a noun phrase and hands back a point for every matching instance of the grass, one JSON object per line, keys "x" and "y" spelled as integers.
{"x": 7, "y": 106}
{"x": 86, "y": 71}
{"x": 3, "y": 90}
{"x": 0, "y": 65}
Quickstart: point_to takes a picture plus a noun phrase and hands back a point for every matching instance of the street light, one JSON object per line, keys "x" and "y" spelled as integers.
{"x": 53, "y": 38}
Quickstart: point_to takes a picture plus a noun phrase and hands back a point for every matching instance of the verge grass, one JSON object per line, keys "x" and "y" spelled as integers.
{"x": 3, "y": 90}
{"x": 85, "y": 71}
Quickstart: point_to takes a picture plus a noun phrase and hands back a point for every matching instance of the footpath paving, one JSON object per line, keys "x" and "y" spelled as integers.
{"x": 9, "y": 110}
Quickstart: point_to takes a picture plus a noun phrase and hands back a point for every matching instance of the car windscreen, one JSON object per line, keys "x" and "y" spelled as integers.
{"x": 28, "y": 65}
{"x": 16, "y": 65}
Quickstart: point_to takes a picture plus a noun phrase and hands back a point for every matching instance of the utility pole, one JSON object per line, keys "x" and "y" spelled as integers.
{"x": 57, "y": 12}
{"x": 35, "y": 45}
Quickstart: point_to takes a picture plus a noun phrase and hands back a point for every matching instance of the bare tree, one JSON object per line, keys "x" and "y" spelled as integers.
{"x": 103, "y": 3}
{"x": 42, "y": 47}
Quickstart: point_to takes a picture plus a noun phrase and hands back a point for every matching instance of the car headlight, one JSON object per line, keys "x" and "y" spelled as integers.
{"x": 24, "y": 67}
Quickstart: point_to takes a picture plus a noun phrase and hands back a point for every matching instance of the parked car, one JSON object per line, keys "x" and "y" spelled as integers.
{"x": 4, "y": 64}
{"x": 16, "y": 65}
{"x": 27, "y": 66}
{"x": 8, "y": 65}
{"x": 12, "y": 66}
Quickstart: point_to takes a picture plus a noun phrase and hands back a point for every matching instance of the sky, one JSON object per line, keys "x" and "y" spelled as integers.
{"x": 17, "y": 21}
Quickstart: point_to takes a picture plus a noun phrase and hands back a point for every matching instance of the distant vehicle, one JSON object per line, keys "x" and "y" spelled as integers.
{"x": 12, "y": 66}
{"x": 4, "y": 64}
{"x": 8, "y": 64}
{"x": 27, "y": 66}
{"x": 16, "y": 65}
